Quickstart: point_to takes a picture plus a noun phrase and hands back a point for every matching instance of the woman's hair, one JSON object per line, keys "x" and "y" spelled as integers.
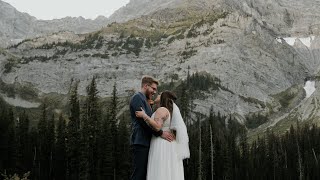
{"x": 166, "y": 100}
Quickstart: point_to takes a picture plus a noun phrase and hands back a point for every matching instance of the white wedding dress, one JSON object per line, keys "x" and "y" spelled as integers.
{"x": 163, "y": 161}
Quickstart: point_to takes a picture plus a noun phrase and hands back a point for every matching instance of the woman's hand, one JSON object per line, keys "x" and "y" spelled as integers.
{"x": 141, "y": 114}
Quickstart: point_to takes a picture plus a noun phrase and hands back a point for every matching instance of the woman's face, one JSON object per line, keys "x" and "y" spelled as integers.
{"x": 157, "y": 101}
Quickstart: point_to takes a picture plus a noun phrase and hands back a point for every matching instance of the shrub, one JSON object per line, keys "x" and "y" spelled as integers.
{"x": 188, "y": 54}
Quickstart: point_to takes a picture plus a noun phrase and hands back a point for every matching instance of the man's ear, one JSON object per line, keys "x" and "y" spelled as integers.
{"x": 145, "y": 86}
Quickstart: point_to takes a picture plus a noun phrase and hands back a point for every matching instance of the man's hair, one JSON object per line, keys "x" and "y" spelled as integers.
{"x": 148, "y": 80}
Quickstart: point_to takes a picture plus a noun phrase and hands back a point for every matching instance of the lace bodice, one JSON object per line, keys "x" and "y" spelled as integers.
{"x": 166, "y": 123}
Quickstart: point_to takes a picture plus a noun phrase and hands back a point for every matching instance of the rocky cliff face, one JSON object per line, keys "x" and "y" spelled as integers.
{"x": 285, "y": 17}
{"x": 16, "y": 26}
{"x": 258, "y": 63}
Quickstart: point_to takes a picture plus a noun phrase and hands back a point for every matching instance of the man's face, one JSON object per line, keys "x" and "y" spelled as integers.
{"x": 151, "y": 90}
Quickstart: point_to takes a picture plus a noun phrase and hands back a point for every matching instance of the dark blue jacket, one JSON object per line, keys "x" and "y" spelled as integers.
{"x": 141, "y": 132}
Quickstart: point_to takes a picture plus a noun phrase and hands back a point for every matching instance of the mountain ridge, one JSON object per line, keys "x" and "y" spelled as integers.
{"x": 16, "y": 26}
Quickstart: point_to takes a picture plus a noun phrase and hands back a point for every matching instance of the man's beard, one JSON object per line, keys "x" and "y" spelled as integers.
{"x": 149, "y": 94}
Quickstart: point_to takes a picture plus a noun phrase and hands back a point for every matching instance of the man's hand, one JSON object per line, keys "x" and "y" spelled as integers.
{"x": 167, "y": 135}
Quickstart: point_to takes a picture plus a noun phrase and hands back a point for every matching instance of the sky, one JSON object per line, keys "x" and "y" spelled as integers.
{"x": 56, "y": 9}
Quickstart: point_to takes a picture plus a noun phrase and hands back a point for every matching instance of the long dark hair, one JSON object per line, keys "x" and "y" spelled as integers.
{"x": 166, "y": 100}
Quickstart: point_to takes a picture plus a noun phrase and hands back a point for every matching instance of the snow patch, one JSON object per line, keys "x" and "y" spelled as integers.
{"x": 306, "y": 41}
{"x": 290, "y": 40}
{"x": 309, "y": 88}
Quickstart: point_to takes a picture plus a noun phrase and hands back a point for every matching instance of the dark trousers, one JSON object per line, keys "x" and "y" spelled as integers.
{"x": 140, "y": 162}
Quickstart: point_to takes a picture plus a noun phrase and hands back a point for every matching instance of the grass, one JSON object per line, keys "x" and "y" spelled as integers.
{"x": 156, "y": 31}
{"x": 285, "y": 98}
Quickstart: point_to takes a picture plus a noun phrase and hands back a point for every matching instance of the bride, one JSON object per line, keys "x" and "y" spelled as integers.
{"x": 165, "y": 158}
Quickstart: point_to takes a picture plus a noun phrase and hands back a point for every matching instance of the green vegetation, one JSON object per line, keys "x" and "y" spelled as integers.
{"x": 188, "y": 53}
{"x": 192, "y": 33}
{"x": 218, "y": 41}
{"x": 9, "y": 65}
{"x": 133, "y": 44}
{"x": 253, "y": 101}
{"x": 171, "y": 39}
{"x": 91, "y": 41}
{"x": 83, "y": 141}
{"x": 148, "y": 43}
{"x": 18, "y": 44}
{"x": 285, "y": 98}
{"x": 195, "y": 84}
{"x": 24, "y": 91}
{"x": 86, "y": 140}
{"x": 209, "y": 20}
{"x": 154, "y": 33}
{"x": 61, "y": 52}
{"x": 26, "y": 60}
{"x": 3, "y": 52}
{"x": 255, "y": 120}
{"x": 12, "y": 62}
{"x": 104, "y": 56}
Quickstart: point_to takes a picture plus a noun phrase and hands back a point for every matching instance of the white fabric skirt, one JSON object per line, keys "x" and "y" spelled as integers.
{"x": 163, "y": 162}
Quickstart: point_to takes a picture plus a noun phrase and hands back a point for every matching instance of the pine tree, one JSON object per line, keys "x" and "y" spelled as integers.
{"x": 184, "y": 103}
{"x": 244, "y": 155}
{"x": 9, "y": 143}
{"x": 51, "y": 145}
{"x": 43, "y": 149}
{"x": 73, "y": 136}
{"x": 212, "y": 153}
{"x": 84, "y": 144}
{"x": 123, "y": 149}
{"x": 199, "y": 151}
{"x": 114, "y": 131}
{"x": 94, "y": 125}
{"x": 24, "y": 144}
{"x": 60, "y": 150}
{"x": 105, "y": 154}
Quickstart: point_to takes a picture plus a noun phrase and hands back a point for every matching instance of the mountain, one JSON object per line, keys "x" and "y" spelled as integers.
{"x": 16, "y": 26}
{"x": 286, "y": 17}
{"x": 261, "y": 53}
{"x": 137, "y": 8}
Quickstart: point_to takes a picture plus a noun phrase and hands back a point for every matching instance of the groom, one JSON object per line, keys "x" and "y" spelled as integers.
{"x": 141, "y": 132}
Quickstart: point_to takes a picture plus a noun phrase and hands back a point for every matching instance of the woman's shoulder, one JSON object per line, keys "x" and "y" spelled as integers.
{"x": 162, "y": 110}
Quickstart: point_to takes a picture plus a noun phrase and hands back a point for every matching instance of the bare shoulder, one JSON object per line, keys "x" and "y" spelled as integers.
{"x": 162, "y": 111}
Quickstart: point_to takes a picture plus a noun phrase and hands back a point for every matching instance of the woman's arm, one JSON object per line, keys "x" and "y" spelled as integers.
{"x": 160, "y": 116}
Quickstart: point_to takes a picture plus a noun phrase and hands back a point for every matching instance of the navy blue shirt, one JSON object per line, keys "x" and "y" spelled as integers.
{"x": 141, "y": 132}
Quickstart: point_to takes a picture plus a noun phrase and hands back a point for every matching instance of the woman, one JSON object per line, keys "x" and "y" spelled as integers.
{"x": 165, "y": 158}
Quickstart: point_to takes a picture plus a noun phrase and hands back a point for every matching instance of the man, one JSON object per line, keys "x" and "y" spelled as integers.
{"x": 141, "y": 132}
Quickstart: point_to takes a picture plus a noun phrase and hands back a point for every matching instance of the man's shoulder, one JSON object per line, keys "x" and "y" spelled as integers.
{"x": 135, "y": 97}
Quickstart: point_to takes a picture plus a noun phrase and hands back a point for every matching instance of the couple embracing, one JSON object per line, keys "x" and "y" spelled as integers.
{"x": 159, "y": 140}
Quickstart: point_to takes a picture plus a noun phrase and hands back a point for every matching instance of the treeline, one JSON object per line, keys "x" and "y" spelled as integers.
{"x": 90, "y": 142}
{"x": 220, "y": 148}
{"x": 85, "y": 143}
